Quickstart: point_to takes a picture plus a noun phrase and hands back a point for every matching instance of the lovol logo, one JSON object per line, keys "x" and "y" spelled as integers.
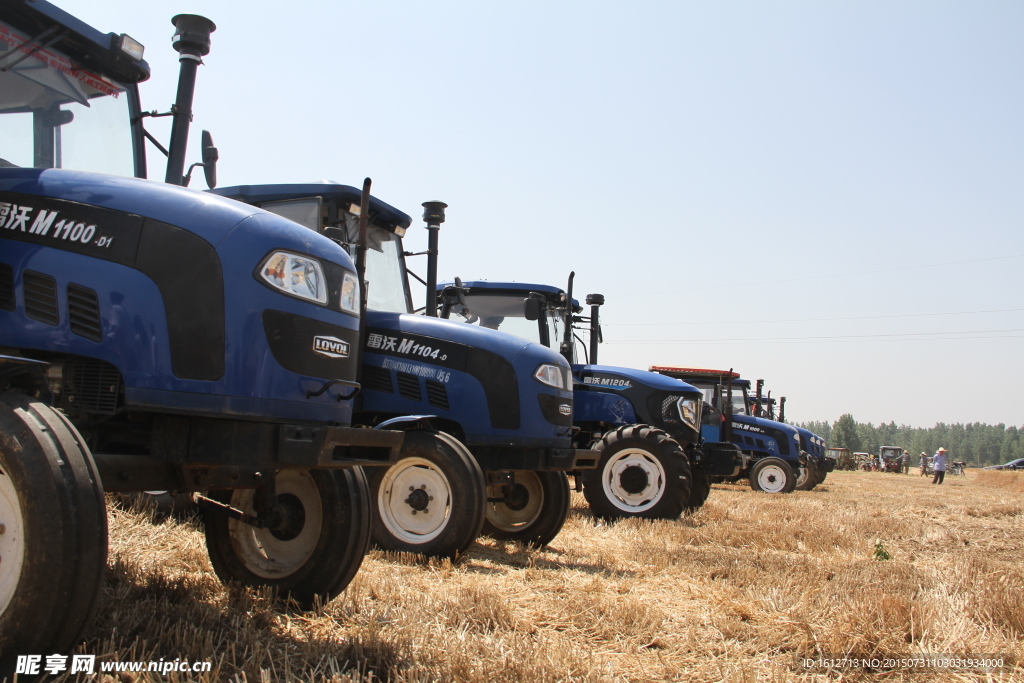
{"x": 565, "y": 409}
{"x": 332, "y": 347}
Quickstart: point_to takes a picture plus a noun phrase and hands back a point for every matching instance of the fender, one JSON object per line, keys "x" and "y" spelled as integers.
{"x": 408, "y": 423}
{"x": 34, "y": 372}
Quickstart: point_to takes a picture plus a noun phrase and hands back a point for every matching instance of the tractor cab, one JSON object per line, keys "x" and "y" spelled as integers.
{"x": 69, "y": 95}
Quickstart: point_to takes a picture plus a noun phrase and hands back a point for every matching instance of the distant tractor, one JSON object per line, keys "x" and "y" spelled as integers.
{"x": 645, "y": 426}
{"x": 890, "y": 458}
{"x": 843, "y": 457}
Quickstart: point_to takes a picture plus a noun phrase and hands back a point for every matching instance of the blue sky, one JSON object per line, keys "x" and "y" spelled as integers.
{"x": 826, "y": 195}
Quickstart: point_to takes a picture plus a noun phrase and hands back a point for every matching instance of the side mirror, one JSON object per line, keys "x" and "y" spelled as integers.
{"x": 531, "y": 308}
{"x": 336, "y": 234}
{"x": 210, "y": 158}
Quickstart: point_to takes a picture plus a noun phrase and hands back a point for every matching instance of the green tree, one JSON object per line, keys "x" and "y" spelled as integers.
{"x": 845, "y": 435}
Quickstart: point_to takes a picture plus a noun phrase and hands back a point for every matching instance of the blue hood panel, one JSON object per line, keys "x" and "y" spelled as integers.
{"x": 212, "y": 218}
{"x": 652, "y": 380}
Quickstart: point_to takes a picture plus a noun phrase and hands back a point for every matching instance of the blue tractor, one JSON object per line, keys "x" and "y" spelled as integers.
{"x": 508, "y": 400}
{"x": 818, "y": 464}
{"x": 773, "y": 456}
{"x": 646, "y": 427}
{"x": 157, "y": 338}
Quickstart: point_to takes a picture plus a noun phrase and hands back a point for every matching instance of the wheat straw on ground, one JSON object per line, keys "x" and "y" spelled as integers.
{"x": 735, "y": 592}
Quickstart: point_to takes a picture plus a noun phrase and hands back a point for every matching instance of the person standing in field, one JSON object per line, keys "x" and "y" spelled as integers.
{"x": 924, "y": 464}
{"x": 905, "y": 462}
{"x": 939, "y": 466}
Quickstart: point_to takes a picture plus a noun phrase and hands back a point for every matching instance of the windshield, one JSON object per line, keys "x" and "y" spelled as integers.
{"x": 501, "y": 312}
{"x": 386, "y": 288}
{"x": 739, "y": 399}
{"x": 55, "y": 114}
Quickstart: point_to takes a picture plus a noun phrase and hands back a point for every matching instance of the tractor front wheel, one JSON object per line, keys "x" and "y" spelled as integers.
{"x": 642, "y": 472}
{"x": 699, "y": 492}
{"x": 316, "y": 544}
{"x": 772, "y": 475}
{"x": 53, "y": 531}
{"x": 531, "y": 510}
{"x": 431, "y": 502}
{"x": 808, "y": 477}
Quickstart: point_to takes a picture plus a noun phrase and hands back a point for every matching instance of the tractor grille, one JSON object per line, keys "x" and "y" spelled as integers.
{"x": 6, "y": 287}
{"x": 84, "y": 312}
{"x": 437, "y": 395}
{"x": 40, "y": 297}
{"x": 91, "y": 386}
{"x": 408, "y": 386}
{"x": 377, "y": 379}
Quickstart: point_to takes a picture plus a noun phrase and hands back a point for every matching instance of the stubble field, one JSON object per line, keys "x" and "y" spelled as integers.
{"x": 738, "y": 591}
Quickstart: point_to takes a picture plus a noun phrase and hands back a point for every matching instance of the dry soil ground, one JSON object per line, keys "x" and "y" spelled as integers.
{"x": 736, "y": 592}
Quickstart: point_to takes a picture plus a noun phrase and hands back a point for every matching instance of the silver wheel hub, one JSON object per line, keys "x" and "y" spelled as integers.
{"x": 634, "y": 480}
{"x": 12, "y": 541}
{"x": 771, "y": 479}
{"x": 523, "y": 504}
{"x": 415, "y": 500}
{"x": 275, "y": 554}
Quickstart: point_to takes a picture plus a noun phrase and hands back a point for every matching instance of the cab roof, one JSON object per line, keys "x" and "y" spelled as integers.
{"x": 381, "y": 212}
{"x": 79, "y": 41}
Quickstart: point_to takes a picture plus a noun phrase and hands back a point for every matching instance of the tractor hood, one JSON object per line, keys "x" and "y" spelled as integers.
{"x": 147, "y": 198}
{"x": 613, "y": 377}
{"x": 124, "y": 201}
{"x": 506, "y": 345}
{"x": 762, "y": 423}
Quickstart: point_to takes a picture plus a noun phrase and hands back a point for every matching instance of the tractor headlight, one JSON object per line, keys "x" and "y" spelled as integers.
{"x": 689, "y": 411}
{"x": 350, "y": 294}
{"x": 298, "y": 276}
{"x": 552, "y": 375}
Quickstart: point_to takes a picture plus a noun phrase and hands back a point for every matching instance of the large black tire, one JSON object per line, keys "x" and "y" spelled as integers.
{"x": 772, "y": 475}
{"x": 808, "y": 476}
{"x": 642, "y": 472}
{"x": 316, "y": 555}
{"x": 534, "y": 509}
{"x": 699, "y": 492}
{"x": 822, "y": 473}
{"x": 431, "y": 502}
{"x": 53, "y": 542}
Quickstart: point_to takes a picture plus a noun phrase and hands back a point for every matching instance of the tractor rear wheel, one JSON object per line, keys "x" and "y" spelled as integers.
{"x": 431, "y": 502}
{"x": 772, "y": 475}
{"x": 642, "y": 472}
{"x": 53, "y": 531}
{"x": 533, "y": 509}
{"x": 807, "y": 479}
{"x": 316, "y": 547}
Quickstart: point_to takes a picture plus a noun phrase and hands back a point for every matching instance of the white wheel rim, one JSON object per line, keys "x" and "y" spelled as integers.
{"x": 611, "y": 480}
{"x": 12, "y": 541}
{"x": 263, "y": 553}
{"x": 402, "y": 514}
{"x": 801, "y": 478}
{"x": 771, "y": 479}
{"x": 507, "y": 519}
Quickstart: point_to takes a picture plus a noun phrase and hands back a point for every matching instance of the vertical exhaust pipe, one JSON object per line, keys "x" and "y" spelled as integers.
{"x": 433, "y": 215}
{"x": 192, "y": 42}
{"x": 595, "y": 301}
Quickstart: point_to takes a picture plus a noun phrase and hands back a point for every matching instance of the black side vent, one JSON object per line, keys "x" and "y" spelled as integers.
{"x": 91, "y": 386}
{"x": 40, "y": 297}
{"x": 84, "y": 312}
{"x": 377, "y": 379}
{"x": 437, "y": 395}
{"x": 408, "y": 386}
{"x": 6, "y": 287}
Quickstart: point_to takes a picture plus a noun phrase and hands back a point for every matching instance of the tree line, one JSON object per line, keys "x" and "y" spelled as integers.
{"x": 977, "y": 443}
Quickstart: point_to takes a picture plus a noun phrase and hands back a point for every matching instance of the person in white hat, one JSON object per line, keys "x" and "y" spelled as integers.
{"x": 939, "y": 465}
{"x": 924, "y": 463}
